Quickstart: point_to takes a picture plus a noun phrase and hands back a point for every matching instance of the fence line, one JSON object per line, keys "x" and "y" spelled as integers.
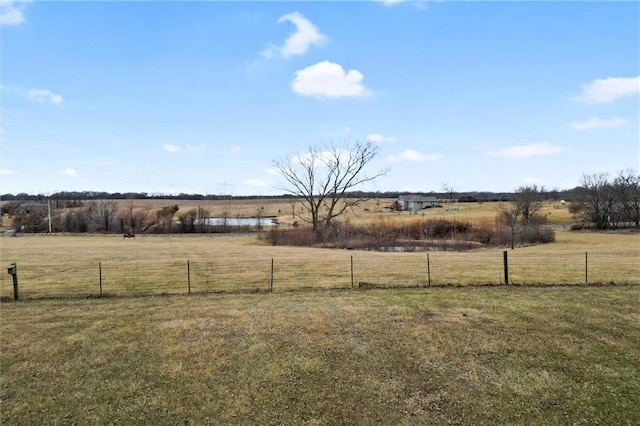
{"x": 272, "y": 274}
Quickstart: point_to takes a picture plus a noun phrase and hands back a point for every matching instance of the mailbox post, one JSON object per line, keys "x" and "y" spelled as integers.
{"x": 12, "y": 269}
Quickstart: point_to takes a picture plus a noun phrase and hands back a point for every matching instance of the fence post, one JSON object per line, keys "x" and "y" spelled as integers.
{"x": 428, "y": 271}
{"x": 506, "y": 266}
{"x": 12, "y": 269}
{"x": 586, "y": 268}
{"x": 100, "y": 273}
{"x": 351, "y": 271}
{"x": 188, "y": 278}
{"x": 271, "y": 277}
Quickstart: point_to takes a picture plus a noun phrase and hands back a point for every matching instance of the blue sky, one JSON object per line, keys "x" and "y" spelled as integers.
{"x": 202, "y": 97}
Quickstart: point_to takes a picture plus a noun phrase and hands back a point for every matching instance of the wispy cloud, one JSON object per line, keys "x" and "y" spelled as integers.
{"x": 70, "y": 171}
{"x": 170, "y": 147}
{"x": 6, "y": 172}
{"x": 236, "y": 149}
{"x": 413, "y": 156}
{"x": 329, "y": 80}
{"x": 608, "y": 89}
{"x": 43, "y": 95}
{"x": 11, "y": 12}
{"x": 298, "y": 43}
{"x": 598, "y": 123}
{"x": 377, "y": 138}
{"x": 524, "y": 151}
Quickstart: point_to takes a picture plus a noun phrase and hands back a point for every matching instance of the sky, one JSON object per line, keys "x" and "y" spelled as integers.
{"x": 203, "y": 97}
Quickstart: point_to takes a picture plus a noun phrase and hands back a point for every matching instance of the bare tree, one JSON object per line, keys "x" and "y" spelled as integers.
{"x": 627, "y": 192}
{"x": 509, "y": 216}
{"x": 448, "y": 189}
{"x": 528, "y": 201}
{"x": 598, "y": 199}
{"x": 322, "y": 177}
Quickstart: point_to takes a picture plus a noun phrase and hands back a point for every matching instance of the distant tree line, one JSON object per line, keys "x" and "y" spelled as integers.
{"x": 76, "y": 198}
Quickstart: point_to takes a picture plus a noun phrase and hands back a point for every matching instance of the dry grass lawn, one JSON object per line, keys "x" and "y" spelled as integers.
{"x": 563, "y": 355}
{"x": 51, "y": 266}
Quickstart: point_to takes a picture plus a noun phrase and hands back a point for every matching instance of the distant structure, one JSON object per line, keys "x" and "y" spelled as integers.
{"x": 412, "y": 202}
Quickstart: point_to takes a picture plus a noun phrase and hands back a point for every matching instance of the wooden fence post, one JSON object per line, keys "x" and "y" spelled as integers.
{"x": 13, "y": 271}
{"x": 428, "y": 271}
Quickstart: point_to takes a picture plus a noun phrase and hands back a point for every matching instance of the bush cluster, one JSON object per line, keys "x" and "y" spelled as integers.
{"x": 419, "y": 234}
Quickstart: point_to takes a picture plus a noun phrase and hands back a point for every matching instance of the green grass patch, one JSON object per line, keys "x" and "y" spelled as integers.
{"x": 451, "y": 355}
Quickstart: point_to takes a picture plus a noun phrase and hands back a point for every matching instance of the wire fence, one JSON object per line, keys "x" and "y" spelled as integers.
{"x": 265, "y": 274}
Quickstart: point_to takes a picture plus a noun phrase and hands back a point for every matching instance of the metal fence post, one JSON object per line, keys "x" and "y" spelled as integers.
{"x": 428, "y": 271}
{"x": 506, "y": 266}
{"x": 586, "y": 267}
{"x": 352, "y": 271}
{"x": 100, "y": 274}
{"x": 271, "y": 277}
{"x": 188, "y": 278}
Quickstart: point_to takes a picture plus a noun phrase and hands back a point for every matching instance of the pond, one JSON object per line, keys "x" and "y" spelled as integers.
{"x": 242, "y": 221}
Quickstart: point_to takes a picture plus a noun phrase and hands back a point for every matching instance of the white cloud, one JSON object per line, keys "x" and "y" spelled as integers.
{"x": 377, "y": 138}
{"x": 236, "y": 149}
{"x": 11, "y": 12}
{"x": 299, "y": 42}
{"x": 6, "y": 172}
{"x": 70, "y": 171}
{"x": 328, "y": 79}
{"x": 43, "y": 95}
{"x": 255, "y": 183}
{"x": 272, "y": 171}
{"x": 596, "y": 123}
{"x": 608, "y": 89}
{"x": 414, "y": 156}
{"x": 170, "y": 148}
{"x": 524, "y": 151}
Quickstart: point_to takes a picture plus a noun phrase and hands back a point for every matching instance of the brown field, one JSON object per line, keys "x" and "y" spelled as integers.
{"x": 69, "y": 265}
{"x": 373, "y": 209}
{"x": 447, "y": 355}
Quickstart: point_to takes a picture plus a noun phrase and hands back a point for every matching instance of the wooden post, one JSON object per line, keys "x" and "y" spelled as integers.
{"x": 13, "y": 270}
{"x": 428, "y": 271}
{"x": 352, "y": 271}
{"x": 586, "y": 267}
{"x": 188, "y": 278}
{"x": 271, "y": 277}
{"x": 100, "y": 274}
{"x": 506, "y": 267}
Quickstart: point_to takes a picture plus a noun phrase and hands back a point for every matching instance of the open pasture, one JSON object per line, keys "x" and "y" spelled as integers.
{"x": 70, "y": 266}
{"x": 490, "y": 355}
{"x": 286, "y": 210}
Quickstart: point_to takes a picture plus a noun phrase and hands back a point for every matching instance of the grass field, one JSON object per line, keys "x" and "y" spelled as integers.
{"x": 491, "y": 355}
{"x": 555, "y": 211}
{"x": 462, "y": 355}
{"x": 51, "y": 266}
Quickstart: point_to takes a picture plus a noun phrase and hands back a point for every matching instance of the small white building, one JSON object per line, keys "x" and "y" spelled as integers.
{"x": 416, "y": 202}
